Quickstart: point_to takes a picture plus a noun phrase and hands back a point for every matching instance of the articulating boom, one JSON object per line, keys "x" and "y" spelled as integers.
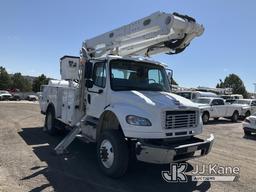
{"x": 157, "y": 33}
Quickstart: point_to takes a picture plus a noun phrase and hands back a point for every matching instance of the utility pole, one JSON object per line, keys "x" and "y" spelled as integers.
{"x": 254, "y": 90}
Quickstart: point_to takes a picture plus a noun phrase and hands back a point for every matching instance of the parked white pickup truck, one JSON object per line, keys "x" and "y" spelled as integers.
{"x": 248, "y": 106}
{"x": 212, "y": 107}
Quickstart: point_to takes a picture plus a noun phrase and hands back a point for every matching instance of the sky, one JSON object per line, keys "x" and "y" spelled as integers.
{"x": 35, "y": 34}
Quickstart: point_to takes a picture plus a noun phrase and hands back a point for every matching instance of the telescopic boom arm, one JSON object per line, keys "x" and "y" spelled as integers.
{"x": 155, "y": 34}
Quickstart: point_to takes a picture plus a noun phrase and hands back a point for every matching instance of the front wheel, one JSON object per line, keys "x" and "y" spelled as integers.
{"x": 205, "y": 118}
{"x": 247, "y": 114}
{"x": 113, "y": 153}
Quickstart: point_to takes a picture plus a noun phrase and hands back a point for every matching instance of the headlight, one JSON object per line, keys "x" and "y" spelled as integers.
{"x": 137, "y": 121}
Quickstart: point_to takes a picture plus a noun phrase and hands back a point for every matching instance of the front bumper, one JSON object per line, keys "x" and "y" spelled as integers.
{"x": 175, "y": 152}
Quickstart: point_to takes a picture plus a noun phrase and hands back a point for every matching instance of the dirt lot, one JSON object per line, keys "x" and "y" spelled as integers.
{"x": 28, "y": 162}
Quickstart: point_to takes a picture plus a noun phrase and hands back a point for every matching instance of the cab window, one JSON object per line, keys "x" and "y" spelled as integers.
{"x": 155, "y": 76}
{"x": 217, "y": 102}
{"x": 193, "y": 95}
{"x": 99, "y": 74}
{"x": 253, "y": 103}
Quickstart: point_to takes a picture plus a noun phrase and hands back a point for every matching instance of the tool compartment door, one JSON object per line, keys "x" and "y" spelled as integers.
{"x": 70, "y": 105}
{"x": 64, "y": 105}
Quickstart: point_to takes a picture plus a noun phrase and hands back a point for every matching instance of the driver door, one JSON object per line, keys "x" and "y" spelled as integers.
{"x": 96, "y": 96}
{"x": 218, "y": 108}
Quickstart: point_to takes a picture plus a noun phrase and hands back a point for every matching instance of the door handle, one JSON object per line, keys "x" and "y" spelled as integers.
{"x": 89, "y": 98}
{"x": 100, "y": 91}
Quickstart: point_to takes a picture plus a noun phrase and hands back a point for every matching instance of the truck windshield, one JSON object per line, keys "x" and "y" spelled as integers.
{"x": 137, "y": 75}
{"x": 203, "y": 101}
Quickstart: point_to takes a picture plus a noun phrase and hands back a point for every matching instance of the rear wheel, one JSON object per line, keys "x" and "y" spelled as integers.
{"x": 113, "y": 153}
{"x": 247, "y": 114}
{"x": 235, "y": 116}
{"x": 205, "y": 118}
{"x": 50, "y": 122}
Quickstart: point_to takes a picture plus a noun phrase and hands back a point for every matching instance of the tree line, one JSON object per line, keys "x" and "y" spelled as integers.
{"x": 18, "y": 81}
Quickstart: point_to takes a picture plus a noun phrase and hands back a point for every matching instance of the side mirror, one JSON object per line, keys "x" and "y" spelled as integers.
{"x": 169, "y": 75}
{"x": 88, "y": 70}
{"x": 89, "y": 83}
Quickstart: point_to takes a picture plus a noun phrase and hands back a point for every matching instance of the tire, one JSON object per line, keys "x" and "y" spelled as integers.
{"x": 235, "y": 116}
{"x": 247, "y": 133}
{"x": 216, "y": 118}
{"x": 50, "y": 122}
{"x": 205, "y": 118}
{"x": 113, "y": 153}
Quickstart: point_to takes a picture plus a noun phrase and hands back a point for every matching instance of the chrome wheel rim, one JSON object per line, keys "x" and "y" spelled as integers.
{"x": 106, "y": 153}
{"x": 236, "y": 116}
{"x": 205, "y": 118}
{"x": 49, "y": 121}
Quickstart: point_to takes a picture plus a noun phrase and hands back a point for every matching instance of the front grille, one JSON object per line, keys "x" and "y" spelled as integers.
{"x": 180, "y": 119}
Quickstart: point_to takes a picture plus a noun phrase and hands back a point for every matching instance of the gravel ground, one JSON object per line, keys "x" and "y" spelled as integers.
{"x": 28, "y": 161}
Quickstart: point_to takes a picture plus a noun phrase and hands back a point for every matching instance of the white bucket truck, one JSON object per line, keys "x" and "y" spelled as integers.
{"x": 123, "y": 102}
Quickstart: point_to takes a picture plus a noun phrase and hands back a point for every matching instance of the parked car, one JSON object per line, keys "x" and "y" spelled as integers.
{"x": 193, "y": 95}
{"x": 248, "y": 106}
{"x": 249, "y": 125}
{"x": 15, "y": 97}
{"x": 5, "y": 95}
{"x": 32, "y": 98}
{"x": 212, "y": 107}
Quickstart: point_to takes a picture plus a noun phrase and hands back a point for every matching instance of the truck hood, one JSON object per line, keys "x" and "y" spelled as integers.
{"x": 144, "y": 99}
{"x": 201, "y": 105}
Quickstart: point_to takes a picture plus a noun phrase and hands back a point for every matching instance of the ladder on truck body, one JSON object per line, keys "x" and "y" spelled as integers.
{"x": 158, "y": 33}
